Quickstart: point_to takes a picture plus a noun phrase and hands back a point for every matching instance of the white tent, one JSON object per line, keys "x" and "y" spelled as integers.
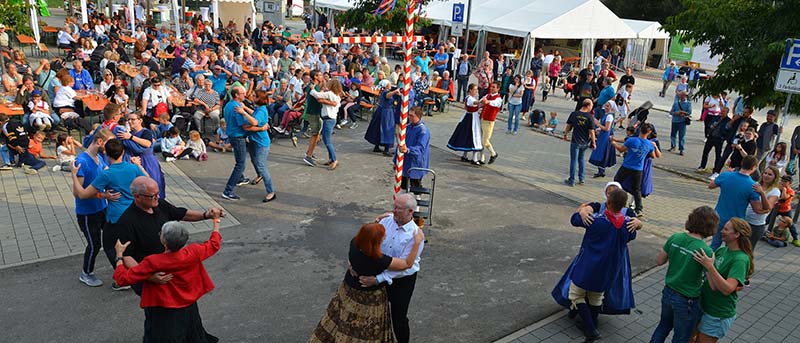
{"x": 35, "y": 21}
{"x": 638, "y": 50}
{"x": 236, "y": 10}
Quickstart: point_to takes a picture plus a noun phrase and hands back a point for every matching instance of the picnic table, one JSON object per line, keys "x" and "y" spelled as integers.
{"x": 127, "y": 39}
{"x": 128, "y": 69}
{"x": 438, "y": 90}
{"x": 26, "y": 40}
{"x": 340, "y": 74}
{"x": 370, "y": 90}
{"x": 11, "y": 109}
{"x": 93, "y": 101}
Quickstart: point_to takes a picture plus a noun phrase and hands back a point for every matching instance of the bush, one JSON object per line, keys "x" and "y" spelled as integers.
{"x": 16, "y": 16}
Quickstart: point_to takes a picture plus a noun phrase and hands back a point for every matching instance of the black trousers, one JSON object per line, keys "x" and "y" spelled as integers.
{"x": 109, "y": 238}
{"x": 720, "y": 162}
{"x": 715, "y": 143}
{"x": 636, "y": 182}
{"x": 400, "y": 292}
{"x": 91, "y": 227}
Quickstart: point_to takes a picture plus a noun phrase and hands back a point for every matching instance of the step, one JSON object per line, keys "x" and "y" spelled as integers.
{"x": 420, "y": 190}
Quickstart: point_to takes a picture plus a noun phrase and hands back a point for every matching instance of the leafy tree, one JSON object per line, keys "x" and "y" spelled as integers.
{"x": 16, "y": 15}
{"x": 652, "y": 10}
{"x": 750, "y": 35}
{"x": 361, "y": 16}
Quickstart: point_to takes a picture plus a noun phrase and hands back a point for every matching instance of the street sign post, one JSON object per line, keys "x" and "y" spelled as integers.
{"x": 788, "y": 81}
{"x": 791, "y": 55}
{"x": 458, "y": 13}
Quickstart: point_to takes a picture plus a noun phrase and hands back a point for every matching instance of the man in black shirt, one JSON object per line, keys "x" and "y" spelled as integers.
{"x": 583, "y": 137}
{"x": 141, "y": 223}
{"x": 627, "y": 78}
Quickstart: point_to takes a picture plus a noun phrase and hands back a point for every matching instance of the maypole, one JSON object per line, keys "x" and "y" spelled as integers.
{"x": 408, "y": 39}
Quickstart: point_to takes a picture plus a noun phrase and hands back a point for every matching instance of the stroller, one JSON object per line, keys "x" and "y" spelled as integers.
{"x": 562, "y": 75}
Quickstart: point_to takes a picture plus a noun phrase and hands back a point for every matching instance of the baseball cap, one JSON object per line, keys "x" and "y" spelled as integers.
{"x": 772, "y": 112}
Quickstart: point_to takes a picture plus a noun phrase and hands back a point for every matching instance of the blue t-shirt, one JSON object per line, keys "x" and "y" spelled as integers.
{"x": 260, "y": 137}
{"x": 735, "y": 193}
{"x": 605, "y": 95}
{"x": 638, "y": 150}
{"x": 423, "y": 64}
{"x": 118, "y": 178}
{"x": 89, "y": 171}
{"x": 223, "y": 136}
{"x": 218, "y": 83}
{"x": 439, "y": 58}
{"x": 234, "y": 120}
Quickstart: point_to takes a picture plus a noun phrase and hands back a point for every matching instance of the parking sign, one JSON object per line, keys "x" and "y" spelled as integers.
{"x": 791, "y": 55}
{"x": 458, "y": 13}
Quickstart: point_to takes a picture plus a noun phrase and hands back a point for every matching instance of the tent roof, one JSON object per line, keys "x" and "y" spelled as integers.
{"x": 566, "y": 19}
{"x": 646, "y": 29}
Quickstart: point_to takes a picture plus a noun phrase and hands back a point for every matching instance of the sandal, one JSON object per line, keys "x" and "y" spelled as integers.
{"x": 333, "y": 165}
{"x": 257, "y": 180}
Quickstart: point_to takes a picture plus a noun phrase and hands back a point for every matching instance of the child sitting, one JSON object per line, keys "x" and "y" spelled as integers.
{"x": 120, "y": 97}
{"x": 40, "y": 112}
{"x": 552, "y": 123}
{"x": 220, "y": 142}
{"x": 160, "y": 130}
{"x": 66, "y": 148}
{"x": 172, "y": 146}
{"x": 35, "y": 146}
{"x": 780, "y": 233}
{"x": 197, "y": 146}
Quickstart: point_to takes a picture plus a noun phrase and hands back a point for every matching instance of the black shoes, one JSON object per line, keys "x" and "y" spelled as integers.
{"x": 491, "y": 159}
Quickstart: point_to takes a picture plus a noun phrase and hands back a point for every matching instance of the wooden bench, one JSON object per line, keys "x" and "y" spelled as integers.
{"x": 365, "y": 106}
{"x": 43, "y": 49}
{"x": 429, "y": 106}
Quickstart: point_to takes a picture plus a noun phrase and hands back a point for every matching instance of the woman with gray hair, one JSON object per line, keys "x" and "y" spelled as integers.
{"x": 170, "y": 310}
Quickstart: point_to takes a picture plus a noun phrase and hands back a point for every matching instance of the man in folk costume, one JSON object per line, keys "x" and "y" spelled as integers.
{"x": 491, "y": 106}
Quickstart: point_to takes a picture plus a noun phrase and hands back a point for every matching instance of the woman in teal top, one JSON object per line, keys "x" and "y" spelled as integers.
{"x": 680, "y": 298}
{"x": 258, "y": 145}
{"x": 727, "y": 271}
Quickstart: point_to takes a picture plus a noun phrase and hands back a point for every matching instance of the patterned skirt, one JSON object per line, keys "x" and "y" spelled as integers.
{"x": 355, "y": 316}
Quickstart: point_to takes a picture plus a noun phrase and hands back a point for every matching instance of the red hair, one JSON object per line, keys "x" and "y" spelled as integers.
{"x": 369, "y": 239}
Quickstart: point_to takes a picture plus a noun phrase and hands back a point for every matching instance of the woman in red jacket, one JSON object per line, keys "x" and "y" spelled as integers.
{"x": 170, "y": 310}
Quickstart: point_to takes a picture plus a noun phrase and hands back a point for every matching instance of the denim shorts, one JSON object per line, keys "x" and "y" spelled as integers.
{"x": 715, "y": 327}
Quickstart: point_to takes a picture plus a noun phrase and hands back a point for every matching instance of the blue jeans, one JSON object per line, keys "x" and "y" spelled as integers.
{"x": 513, "y": 114}
{"x": 327, "y": 131}
{"x": 4, "y": 155}
{"x": 678, "y": 131}
{"x": 240, "y": 155}
{"x": 576, "y": 154}
{"x": 461, "y": 91}
{"x": 678, "y": 314}
{"x": 276, "y": 112}
{"x": 258, "y": 156}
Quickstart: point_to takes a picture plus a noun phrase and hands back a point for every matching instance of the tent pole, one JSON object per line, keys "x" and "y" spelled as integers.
{"x": 466, "y": 33}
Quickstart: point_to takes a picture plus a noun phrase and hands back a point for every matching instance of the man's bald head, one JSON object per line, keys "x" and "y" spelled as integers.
{"x": 145, "y": 192}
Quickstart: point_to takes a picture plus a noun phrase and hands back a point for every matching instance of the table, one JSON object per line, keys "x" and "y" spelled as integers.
{"x": 164, "y": 55}
{"x": 129, "y": 70}
{"x": 51, "y": 31}
{"x": 176, "y": 98}
{"x": 369, "y": 90}
{"x": 438, "y": 90}
{"x": 27, "y": 40}
{"x": 93, "y": 102}
{"x": 127, "y": 39}
{"x": 251, "y": 71}
{"x": 340, "y": 73}
{"x": 12, "y": 110}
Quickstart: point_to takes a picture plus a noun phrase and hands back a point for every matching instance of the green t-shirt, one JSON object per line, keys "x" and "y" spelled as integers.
{"x": 684, "y": 274}
{"x": 313, "y": 107}
{"x": 730, "y": 264}
{"x": 283, "y": 64}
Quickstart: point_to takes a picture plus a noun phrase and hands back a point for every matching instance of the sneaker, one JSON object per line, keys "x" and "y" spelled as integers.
{"x": 56, "y": 168}
{"x": 508, "y": 132}
{"x": 230, "y": 196}
{"x": 169, "y": 159}
{"x": 700, "y": 170}
{"x": 6, "y": 167}
{"x": 185, "y": 157}
{"x": 338, "y": 126}
{"x": 29, "y": 170}
{"x": 305, "y": 135}
{"x": 713, "y": 176}
{"x": 580, "y": 182}
{"x": 90, "y": 280}
{"x": 243, "y": 181}
{"x": 680, "y": 153}
{"x": 514, "y": 133}
{"x": 294, "y": 141}
{"x": 115, "y": 287}
{"x": 309, "y": 161}
{"x": 796, "y": 243}
{"x": 343, "y": 122}
{"x": 639, "y": 213}
{"x": 355, "y": 125}
{"x": 569, "y": 183}
{"x": 280, "y": 129}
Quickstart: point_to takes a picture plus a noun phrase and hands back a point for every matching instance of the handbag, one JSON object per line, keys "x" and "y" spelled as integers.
{"x": 791, "y": 168}
{"x": 687, "y": 120}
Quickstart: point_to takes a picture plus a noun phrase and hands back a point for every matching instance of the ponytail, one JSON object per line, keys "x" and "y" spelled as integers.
{"x": 743, "y": 228}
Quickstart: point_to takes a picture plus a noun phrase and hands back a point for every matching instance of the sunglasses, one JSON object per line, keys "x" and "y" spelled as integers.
{"x": 148, "y": 196}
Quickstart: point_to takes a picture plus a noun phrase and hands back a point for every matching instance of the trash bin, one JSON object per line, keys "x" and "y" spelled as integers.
{"x": 156, "y": 17}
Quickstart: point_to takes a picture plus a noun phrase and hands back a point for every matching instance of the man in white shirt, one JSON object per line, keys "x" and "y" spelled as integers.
{"x": 398, "y": 242}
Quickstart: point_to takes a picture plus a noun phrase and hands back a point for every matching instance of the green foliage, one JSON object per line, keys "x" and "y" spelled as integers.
{"x": 653, "y": 10}
{"x": 16, "y": 16}
{"x": 750, "y": 35}
{"x": 360, "y": 16}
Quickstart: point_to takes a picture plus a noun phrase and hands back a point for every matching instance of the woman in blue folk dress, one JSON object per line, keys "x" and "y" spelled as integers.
{"x": 604, "y": 155}
{"x": 380, "y": 131}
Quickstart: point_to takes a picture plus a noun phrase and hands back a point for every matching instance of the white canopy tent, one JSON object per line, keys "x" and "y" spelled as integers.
{"x": 638, "y": 50}
{"x": 35, "y": 21}
{"x": 566, "y": 19}
{"x": 236, "y": 10}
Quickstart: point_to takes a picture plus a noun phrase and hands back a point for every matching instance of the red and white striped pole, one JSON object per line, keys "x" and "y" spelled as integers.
{"x": 409, "y": 38}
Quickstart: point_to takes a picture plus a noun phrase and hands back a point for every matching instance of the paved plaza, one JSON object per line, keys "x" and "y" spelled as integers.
{"x": 500, "y": 240}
